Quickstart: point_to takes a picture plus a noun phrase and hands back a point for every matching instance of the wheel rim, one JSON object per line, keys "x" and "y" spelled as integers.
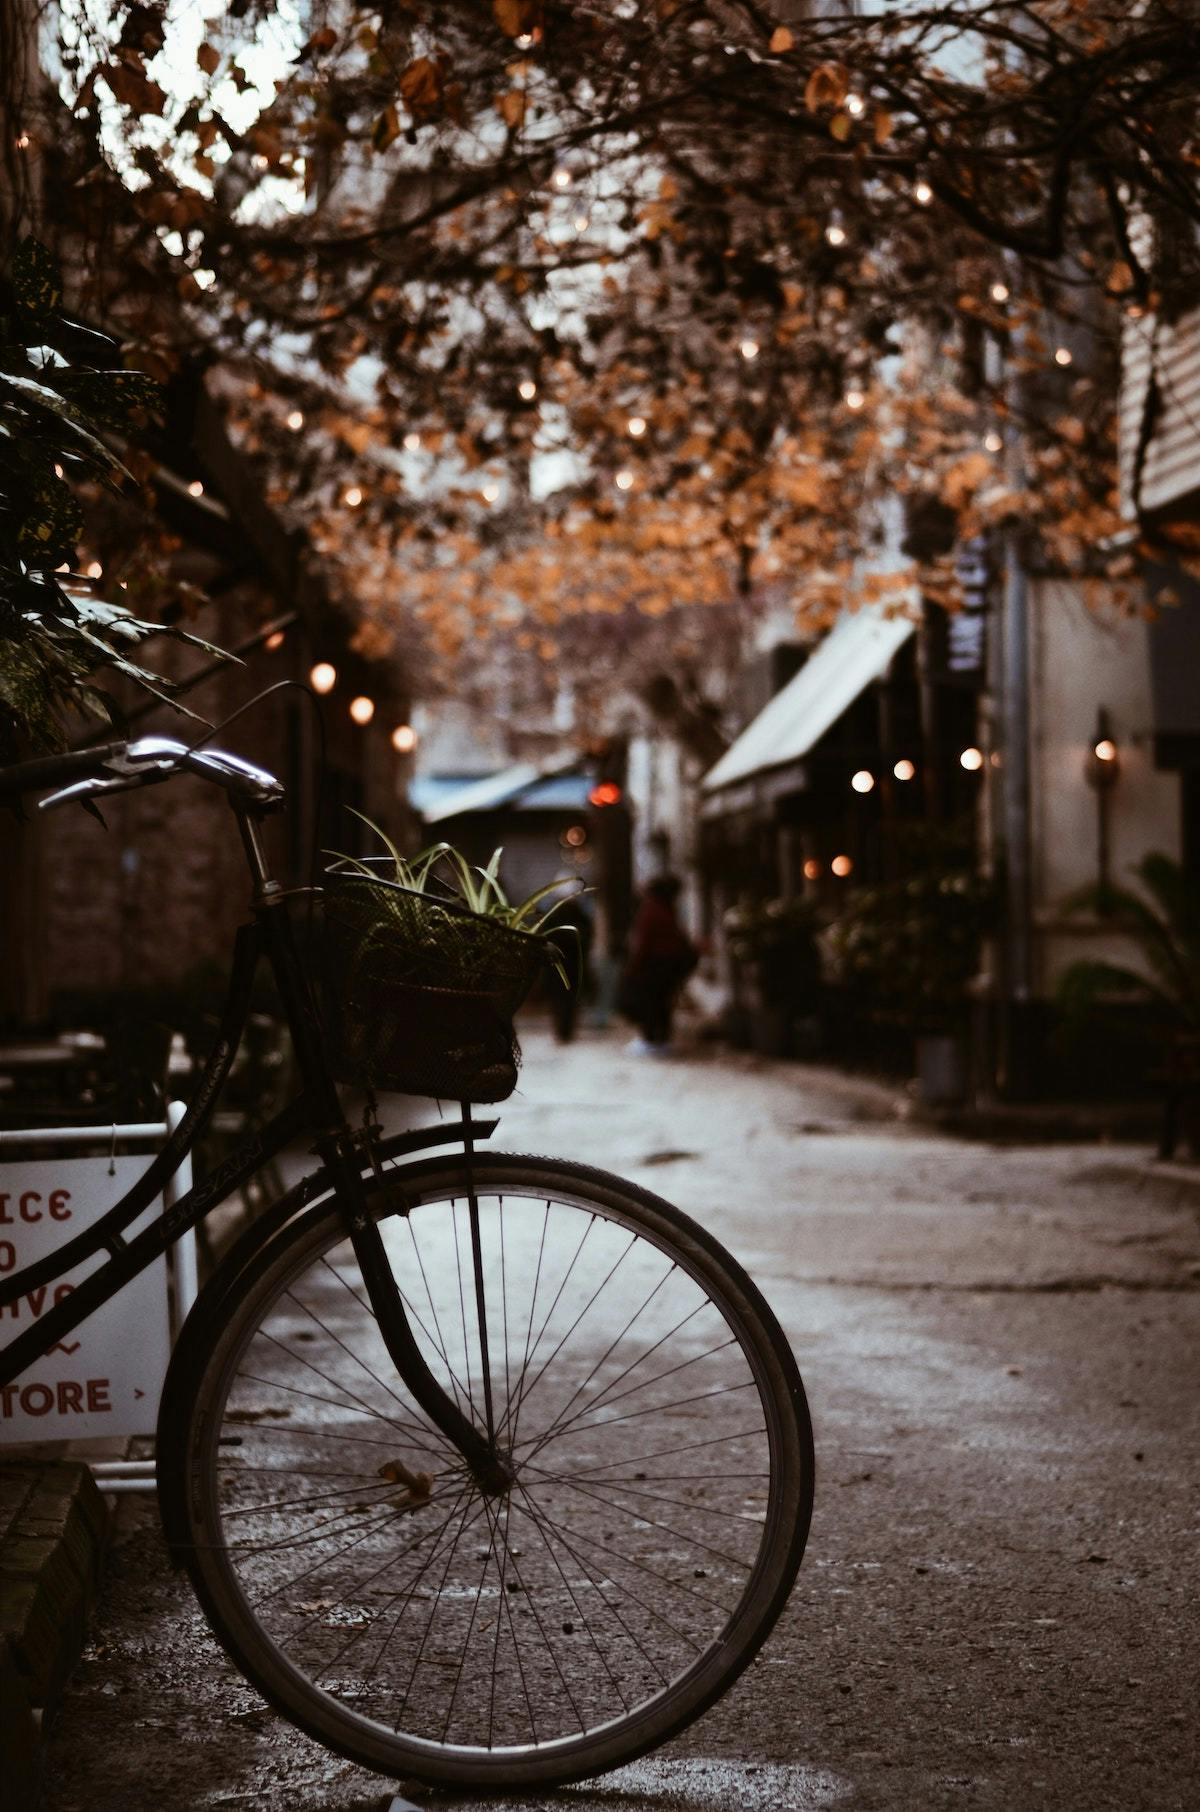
{"x": 385, "y": 1601}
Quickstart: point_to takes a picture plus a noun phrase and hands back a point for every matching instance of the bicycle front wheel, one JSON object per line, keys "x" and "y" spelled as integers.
{"x": 654, "y": 1426}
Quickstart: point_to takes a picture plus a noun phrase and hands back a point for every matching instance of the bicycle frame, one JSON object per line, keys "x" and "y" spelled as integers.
{"x": 317, "y": 1109}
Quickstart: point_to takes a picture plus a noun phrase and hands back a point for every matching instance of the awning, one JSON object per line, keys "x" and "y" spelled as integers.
{"x": 857, "y": 650}
{"x": 522, "y": 787}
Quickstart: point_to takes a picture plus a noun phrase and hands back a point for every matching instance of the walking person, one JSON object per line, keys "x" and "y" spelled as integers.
{"x": 661, "y": 957}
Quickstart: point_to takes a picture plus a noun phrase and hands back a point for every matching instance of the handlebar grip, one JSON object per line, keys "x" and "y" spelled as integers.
{"x": 55, "y": 770}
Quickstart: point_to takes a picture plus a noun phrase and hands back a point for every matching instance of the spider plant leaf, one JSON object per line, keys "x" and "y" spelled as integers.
{"x": 371, "y": 825}
{"x": 521, "y": 913}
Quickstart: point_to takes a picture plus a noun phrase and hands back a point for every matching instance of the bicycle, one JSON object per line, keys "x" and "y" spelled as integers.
{"x": 488, "y": 1470}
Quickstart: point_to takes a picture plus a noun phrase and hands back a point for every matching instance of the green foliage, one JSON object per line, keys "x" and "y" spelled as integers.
{"x": 913, "y": 945}
{"x": 779, "y": 939}
{"x": 444, "y": 872}
{"x": 1162, "y": 922}
{"x": 56, "y": 402}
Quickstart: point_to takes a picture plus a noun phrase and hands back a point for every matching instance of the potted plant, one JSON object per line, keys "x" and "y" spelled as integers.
{"x": 1162, "y": 924}
{"x": 907, "y": 950}
{"x": 775, "y": 943}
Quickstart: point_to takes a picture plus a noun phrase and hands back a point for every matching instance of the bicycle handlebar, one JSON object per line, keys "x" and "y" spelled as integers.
{"x": 55, "y": 770}
{"x": 118, "y": 766}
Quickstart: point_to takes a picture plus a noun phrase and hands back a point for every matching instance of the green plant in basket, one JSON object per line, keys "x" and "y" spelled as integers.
{"x": 442, "y": 873}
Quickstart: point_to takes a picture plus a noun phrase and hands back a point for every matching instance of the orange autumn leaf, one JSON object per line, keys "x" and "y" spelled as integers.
{"x": 781, "y": 41}
{"x": 827, "y": 86}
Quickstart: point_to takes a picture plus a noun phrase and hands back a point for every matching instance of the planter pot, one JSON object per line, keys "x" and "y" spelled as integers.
{"x": 941, "y": 1069}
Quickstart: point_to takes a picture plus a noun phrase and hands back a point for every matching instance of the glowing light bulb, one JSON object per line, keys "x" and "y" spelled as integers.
{"x": 581, "y": 223}
{"x": 999, "y": 292}
{"x": 855, "y": 399}
{"x": 855, "y": 104}
{"x": 1105, "y": 750}
{"x": 23, "y": 141}
{"x": 636, "y": 426}
{"x": 904, "y": 769}
{"x": 812, "y": 870}
{"x": 352, "y": 496}
{"x": 523, "y": 40}
{"x": 58, "y": 471}
{"x": 863, "y": 781}
{"x": 749, "y": 349}
{"x": 624, "y": 481}
{"x": 362, "y": 709}
{"x": 491, "y": 491}
{"x": 323, "y": 677}
{"x": 972, "y": 760}
{"x": 561, "y": 179}
{"x": 922, "y": 194}
{"x": 841, "y": 866}
{"x": 527, "y": 390}
{"x": 835, "y": 234}
{"x": 274, "y": 640}
{"x": 93, "y": 569}
{"x": 412, "y": 441}
{"x": 994, "y": 442}
{"x": 1062, "y": 355}
{"x": 404, "y": 739}
{"x": 295, "y": 420}
{"x": 195, "y": 489}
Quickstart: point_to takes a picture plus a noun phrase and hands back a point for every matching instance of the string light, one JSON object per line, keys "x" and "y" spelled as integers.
{"x": 58, "y": 471}
{"x": 624, "y": 481}
{"x": 855, "y": 399}
{"x": 835, "y": 234}
{"x": 404, "y": 739}
{"x": 295, "y": 420}
{"x": 527, "y": 390}
{"x": 994, "y": 442}
{"x": 904, "y": 769}
{"x": 274, "y": 640}
{"x": 412, "y": 441}
{"x": 841, "y": 866}
{"x": 812, "y": 870}
{"x": 352, "y": 496}
{"x": 1062, "y": 355}
{"x": 259, "y": 161}
{"x": 863, "y": 781}
{"x": 923, "y": 194}
{"x": 636, "y": 426}
{"x": 323, "y": 677}
{"x": 523, "y": 40}
{"x": 855, "y": 104}
{"x": 362, "y": 710}
{"x": 972, "y": 760}
{"x": 999, "y": 292}
{"x": 94, "y": 569}
{"x": 749, "y": 349}
{"x": 561, "y": 179}
{"x": 195, "y": 489}
{"x": 23, "y": 142}
{"x": 581, "y": 223}
{"x": 1105, "y": 749}
{"x": 491, "y": 491}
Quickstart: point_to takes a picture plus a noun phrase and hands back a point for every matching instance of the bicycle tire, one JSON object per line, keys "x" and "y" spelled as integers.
{"x": 542, "y": 1650}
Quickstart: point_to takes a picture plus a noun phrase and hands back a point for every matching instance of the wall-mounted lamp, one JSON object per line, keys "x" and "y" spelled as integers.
{"x": 1101, "y": 769}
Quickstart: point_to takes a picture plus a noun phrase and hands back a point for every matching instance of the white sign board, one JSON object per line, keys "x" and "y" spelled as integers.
{"x": 106, "y": 1376}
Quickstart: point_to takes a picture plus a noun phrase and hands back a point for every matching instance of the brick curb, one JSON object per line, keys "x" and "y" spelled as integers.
{"x": 53, "y": 1524}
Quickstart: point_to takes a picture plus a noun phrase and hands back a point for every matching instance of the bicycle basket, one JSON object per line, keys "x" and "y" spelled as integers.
{"x": 420, "y": 992}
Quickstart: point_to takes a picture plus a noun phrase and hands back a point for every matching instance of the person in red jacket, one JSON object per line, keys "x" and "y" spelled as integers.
{"x": 661, "y": 957}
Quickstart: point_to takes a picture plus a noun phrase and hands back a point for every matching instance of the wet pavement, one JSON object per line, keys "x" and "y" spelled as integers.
{"x": 997, "y": 1605}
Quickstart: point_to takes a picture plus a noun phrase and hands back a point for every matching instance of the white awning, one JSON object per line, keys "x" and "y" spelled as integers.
{"x": 857, "y": 650}
{"x": 505, "y": 788}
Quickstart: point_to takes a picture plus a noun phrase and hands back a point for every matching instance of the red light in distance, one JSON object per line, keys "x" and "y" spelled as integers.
{"x": 607, "y": 793}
